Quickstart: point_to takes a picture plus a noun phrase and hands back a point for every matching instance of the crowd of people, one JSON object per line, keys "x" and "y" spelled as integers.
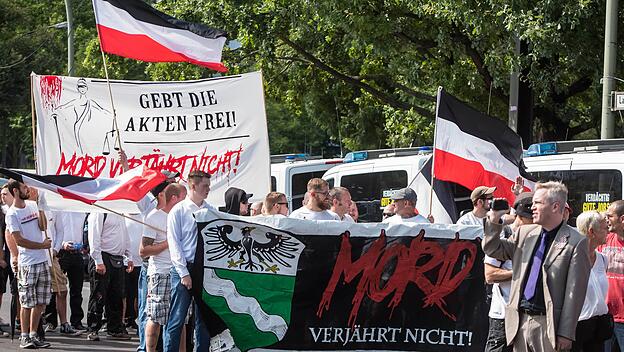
{"x": 552, "y": 286}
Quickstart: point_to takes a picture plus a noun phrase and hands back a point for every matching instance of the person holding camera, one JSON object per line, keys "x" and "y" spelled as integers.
{"x": 550, "y": 261}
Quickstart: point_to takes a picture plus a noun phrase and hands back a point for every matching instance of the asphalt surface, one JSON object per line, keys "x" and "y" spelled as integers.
{"x": 64, "y": 343}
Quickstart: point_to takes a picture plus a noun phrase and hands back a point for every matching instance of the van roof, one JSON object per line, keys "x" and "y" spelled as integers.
{"x": 380, "y": 162}
{"x": 299, "y": 163}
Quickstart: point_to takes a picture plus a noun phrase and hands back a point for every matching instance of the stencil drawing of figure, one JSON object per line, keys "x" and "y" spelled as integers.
{"x": 82, "y": 107}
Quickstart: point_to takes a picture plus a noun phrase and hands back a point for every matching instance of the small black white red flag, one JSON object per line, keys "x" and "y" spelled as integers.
{"x": 132, "y": 28}
{"x": 474, "y": 149}
{"x": 132, "y": 185}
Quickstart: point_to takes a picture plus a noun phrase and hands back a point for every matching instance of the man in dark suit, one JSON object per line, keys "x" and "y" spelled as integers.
{"x": 550, "y": 272}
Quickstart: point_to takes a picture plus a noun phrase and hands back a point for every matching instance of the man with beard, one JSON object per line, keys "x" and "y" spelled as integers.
{"x": 26, "y": 223}
{"x": 319, "y": 203}
{"x": 613, "y": 249}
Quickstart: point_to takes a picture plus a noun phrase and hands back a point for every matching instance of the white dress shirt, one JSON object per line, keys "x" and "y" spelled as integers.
{"x": 108, "y": 236}
{"x": 182, "y": 233}
{"x": 70, "y": 226}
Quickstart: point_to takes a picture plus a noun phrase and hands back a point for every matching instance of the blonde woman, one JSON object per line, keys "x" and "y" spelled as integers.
{"x": 593, "y": 326}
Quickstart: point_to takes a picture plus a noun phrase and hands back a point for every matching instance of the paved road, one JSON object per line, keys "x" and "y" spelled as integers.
{"x": 63, "y": 343}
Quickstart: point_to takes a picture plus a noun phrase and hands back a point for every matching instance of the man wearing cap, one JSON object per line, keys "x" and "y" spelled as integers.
{"x": 481, "y": 198}
{"x": 405, "y": 208}
{"x": 498, "y": 274}
{"x": 237, "y": 201}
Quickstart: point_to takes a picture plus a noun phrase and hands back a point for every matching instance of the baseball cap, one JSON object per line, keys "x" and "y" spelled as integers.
{"x": 405, "y": 193}
{"x": 522, "y": 204}
{"x": 480, "y": 192}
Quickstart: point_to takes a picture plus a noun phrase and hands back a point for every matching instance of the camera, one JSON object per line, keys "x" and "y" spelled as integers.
{"x": 500, "y": 204}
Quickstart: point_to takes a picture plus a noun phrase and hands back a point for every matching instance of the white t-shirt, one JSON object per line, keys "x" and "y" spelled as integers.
{"x": 500, "y": 290}
{"x": 25, "y": 221}
{"x": 161, "y": 262}
{"x": 345, "y": 218}
{"x": 397, "y": 219}
{"x": 307, "y": 214}
{"x": 470, "y": 219}
{"x": 597, "y": 286}
{"x": 135, "y": 231}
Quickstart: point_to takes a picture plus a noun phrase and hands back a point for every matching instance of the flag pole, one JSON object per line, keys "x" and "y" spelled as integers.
{"x": 110, "y": 91}
{"x": 32, "y": 114}
{"x": 128, "y": 217}
{"x": 435, "y": 133}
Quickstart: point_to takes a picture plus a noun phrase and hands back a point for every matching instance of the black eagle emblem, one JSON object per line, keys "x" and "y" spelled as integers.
{"x": 252, "y": 255}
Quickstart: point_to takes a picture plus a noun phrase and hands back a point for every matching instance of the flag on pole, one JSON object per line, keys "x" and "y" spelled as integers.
{"x": 474, "y": 149}
{"x": 443, "y": 206}
{"x": 132, "y": 28}
{"x": 132, "y": 185}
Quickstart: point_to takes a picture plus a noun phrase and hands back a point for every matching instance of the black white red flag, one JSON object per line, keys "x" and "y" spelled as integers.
{"x": 132, "y": 28}
{"x": 132, "y": 185}
{"x": 474, "y": 149}
{"x": 443, "y": 206}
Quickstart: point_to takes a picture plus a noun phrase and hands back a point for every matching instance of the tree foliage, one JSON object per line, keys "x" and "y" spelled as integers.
{"x": 362, "y": 73}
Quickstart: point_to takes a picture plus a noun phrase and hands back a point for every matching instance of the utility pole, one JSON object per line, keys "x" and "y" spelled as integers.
{"x": 70, "y": 38}
{"x": 513, "y": 89}
{"x": 607, "y": 127}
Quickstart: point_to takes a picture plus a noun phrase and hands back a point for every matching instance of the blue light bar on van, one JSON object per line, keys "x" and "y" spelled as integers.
{"x": 355, "y": 156}
{"x": 538, "y": 149}
{"x": 293, "y": 157}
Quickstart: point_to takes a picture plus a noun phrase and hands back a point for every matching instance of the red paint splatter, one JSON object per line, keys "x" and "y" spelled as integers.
{"x": 51, "y": 88}
{"x": 372, "y": 263}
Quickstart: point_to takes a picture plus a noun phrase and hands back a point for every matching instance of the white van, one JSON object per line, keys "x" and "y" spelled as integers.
{"x": 290, "y": 174}
{"x": 371, "y": 175}
{"x": 591, "y": 169}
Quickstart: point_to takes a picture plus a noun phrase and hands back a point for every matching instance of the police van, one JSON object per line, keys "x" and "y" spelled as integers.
{"x": 290, "y": 174}
{"x": 372, "y": 175}
{"x": 591, "y": 169}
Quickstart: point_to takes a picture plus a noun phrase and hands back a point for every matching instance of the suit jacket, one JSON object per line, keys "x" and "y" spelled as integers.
{"x": 565, "y": 273}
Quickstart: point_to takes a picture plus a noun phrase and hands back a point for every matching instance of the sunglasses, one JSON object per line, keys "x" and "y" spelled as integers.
{"x": 282, "y": 203}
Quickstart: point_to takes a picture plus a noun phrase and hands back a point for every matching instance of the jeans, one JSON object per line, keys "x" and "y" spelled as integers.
{"x": 180, "y": 302}
{"x": 142, "y": 297}
{"x": 496, "y": 340}
{"x": 617, "y": 339}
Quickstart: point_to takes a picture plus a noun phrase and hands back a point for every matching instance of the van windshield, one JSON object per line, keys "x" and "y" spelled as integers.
{"x": 587, "y": 189}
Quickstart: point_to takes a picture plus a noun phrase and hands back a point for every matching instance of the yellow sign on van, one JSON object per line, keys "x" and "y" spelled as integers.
{"x": 596, "y": 201}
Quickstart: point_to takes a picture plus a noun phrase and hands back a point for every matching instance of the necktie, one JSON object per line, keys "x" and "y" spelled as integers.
{"x": 538, "y": 258}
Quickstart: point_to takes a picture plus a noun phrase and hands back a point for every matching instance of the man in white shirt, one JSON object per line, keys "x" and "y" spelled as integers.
{"x": 275, "y": 204}
{"x": 182, "y": 241}
{"x": 69, "y": 229}
{"x": 341, "y": 203}
{"x": 481, "y": 198}
{"x": 26, "y": 223}
{"x": 405, "y": 208}
{"x": 155, "y": 246}
{"x": 318, "y": 203}
{"x": 109, "y": 248}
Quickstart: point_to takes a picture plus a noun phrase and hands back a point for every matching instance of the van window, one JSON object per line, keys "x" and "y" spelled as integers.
{"x": 330, "y": 182}
{"x": 587, "y": 189}
{"x": 369, "y": 186}
{"x": 300, "y": 186}
{"x": 273, "y": 184}
{"x": 366, "y": 190}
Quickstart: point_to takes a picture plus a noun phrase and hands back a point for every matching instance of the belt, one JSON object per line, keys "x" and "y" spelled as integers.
{"x": 531, "y": 312}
